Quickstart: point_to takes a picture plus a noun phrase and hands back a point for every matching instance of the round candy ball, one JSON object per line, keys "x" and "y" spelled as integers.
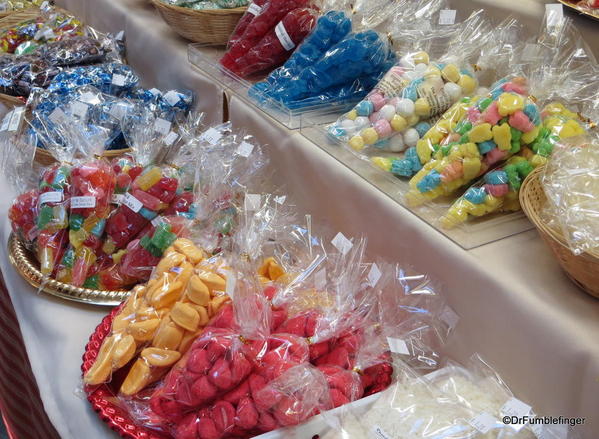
{"x": 396, "y": 143}
{"x": 383, "y": 129}
{"x": 405, "y": 107}
{"x": 453, "y": 90}
{"x": 420, "y": 69}
{"x": 352, "y": 115}
{"x": 398, "y": 123}
{"x": 411, "y": 137}
{"x": 361, "y": 122}
{"x": 370, "y": 136}
{"x": 482, "y": 91}
{"x": 348, "y": 125}
{"x": 422, "y": 128}
{"x": 364, "y": 108}
{"x": 378, "y": 100}
{"x": 422, "y": 107}
{"x": 356, "y": 143}
{"x": 387, "y": 112}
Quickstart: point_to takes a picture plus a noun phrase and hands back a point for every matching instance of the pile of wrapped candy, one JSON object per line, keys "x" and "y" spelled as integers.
{"x": 16, "y": 5}
{"x": 105, "y": 225}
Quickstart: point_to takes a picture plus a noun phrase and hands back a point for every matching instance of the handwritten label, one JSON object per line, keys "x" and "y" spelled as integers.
{"x": 254, "y": 9}
{"x": 515, "y": 407}
{"x": 172, "y": 97}
{"x": 57, "y": 115}
{"x": 118, "y": 80}
{"x": 284, "y": 37}
{"x": 132, "y": 203}
{"x": 447, "y": 16}
{"x": 83, "y": 202}
{"x": 117, "y": 199}
{"x": 162, "y": 126}
{"x": 12, "y": 120}
{"x": 252, "y": 202}
{"x": 483, "y": 422}
{"x": 212, "y": 136}
{"x": 341, "y": 243}
{"x": 398, "y": 346}
{"x": 245, "y": 149}
{"x": 51, "y": 197}
{"x": 374, "y": 275}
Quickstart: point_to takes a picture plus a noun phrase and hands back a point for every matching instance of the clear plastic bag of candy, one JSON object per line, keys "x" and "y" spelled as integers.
{"x": 160, "y": 320}
{"x": 269, "y": 17}
{"x": 254, "y": 9}
{"x": 152, "y": 191}
{"x": 397, "y": 112}
{"x": 53, "y": 208}
{"x": 570, "y": 182}
{"x": 16, "y": 162}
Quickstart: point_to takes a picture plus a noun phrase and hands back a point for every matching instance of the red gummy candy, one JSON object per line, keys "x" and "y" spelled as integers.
{"x": 240, "y": 368}
{"x": 338, "y": 398}
{"x": 270, "y": 52}
{"x": 187, "y": 428}
{"x": 180, "y": 204}
{"x": 295, "y": 326}
{"x": 207, "y": 429}
{"x": 338, "y": 357}
{"x": 220, "y": 374}
{"x": 198, "y": 361}
{"x": 244, "y": 22}
{"x": 237, "y": 393}
{"x": 317, "y": 350}
{"x": 246, "y": 416}
{"x": 225, "y": 318}
{"x": 223, "y": 414}
{"x": 289, "y": 411}
{"x": 203, "y": 390}
{"x": 278, "y": 318}
{"x": 266, "y": 422}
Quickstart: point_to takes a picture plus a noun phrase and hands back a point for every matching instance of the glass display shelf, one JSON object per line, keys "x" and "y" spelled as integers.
{"x": 474, "y": 233}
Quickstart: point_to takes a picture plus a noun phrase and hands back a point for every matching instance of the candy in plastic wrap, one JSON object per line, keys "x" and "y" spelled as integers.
{"x": 254, "y": 9}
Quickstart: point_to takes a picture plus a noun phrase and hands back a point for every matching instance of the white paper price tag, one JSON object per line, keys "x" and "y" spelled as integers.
{"x": 162, "y": 126}
{"x": 447, "y": 16}
{"x": 374, "y": 275}
{"x": 254, "y": 9}
{"x": 117, "y": 111}
{"x": 171, "y": 138}
{"x": 483, "y": 422}
{"x": 284, "y": 37}
{"x": 341, "y": 243}
{"x": 117, "y": 199}
{"x": 83, "y": 202}
{"x": 118, "y": 80}
{"x": 212, "y": 136}
{"x": 280, "y": 199}
{"x": 172, "y": 97}
{"x": 79, "y": 109}
{"x": 157, "y": 221}
{"x": 554, "y": 13}
{"x": 398, "y": 346}
{"x": 230, "y": 284}
{"x": 51, "y": 197}
{"x": 15, "y": 119}
{"x": 515, "y": 407}
{"x": 320, "y": 279}
{"x": 48, "y": 34}
{"x": 245, "y": 149}
{"x": 132, "y": 203}
{"x": 57, "y": 115}
{"x": 450, "y": 317}
{"x": 378, "y": 433}
{"x": 155, "y": 92}
{"x": 252, "y": 202}
{"x": 89, "y": 98}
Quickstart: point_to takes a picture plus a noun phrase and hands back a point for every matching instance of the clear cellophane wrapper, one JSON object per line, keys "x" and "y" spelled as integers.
{"x": 397, "y": 111}
{"x": 260, "y": 25}
{"x": 16, "y": 163}
{"x": 571, "y": 183}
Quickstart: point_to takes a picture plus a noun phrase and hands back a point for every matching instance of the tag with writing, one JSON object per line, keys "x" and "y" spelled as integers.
{"x": 57, "y": 115}
{"x": 483, "y": 422}
{"x": 284, "y": 37}
{"x": 245, "y": 149}
{"x": 398, "y": 346}
{"x": 515, "y": 407}
{"x": 374, "y": 275}
{"x": 118, "y": 80}
{"x": 51, "y": 197}
{"x": 212, "y": 136}
{"x": 79, "y": 109}
{"x": 172, "y": 97}
{"x": 447, "y": 16}
{"x": 341, "y": 243}
{"x": 252, "y": 202}
{"x": 162, "y": 126}
{"x": 132, "y": 203}
{"x": 254, "y": 9}
{"x": 554, "y": 13}
{"x": 117, "y": 199}
{"x": 83, "y": 202}
{"x": 171, "y": 138}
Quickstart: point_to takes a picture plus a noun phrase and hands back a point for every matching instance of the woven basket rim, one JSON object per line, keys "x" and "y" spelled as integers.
{"x": 556, "y": 235}
{"x": 195, "y": 12}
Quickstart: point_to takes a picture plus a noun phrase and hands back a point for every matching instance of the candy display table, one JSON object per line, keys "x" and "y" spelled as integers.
{"x": 516, "y": 307}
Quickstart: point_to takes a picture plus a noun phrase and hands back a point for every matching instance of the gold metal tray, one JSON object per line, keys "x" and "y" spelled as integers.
{"x": 28, "y": 267}
{"x": 594, "y": 14}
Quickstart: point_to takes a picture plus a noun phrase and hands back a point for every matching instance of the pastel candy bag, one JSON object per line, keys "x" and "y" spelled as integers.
{"x": 53, "y": 208}
{"x": 151, "y": 192}
{"x": 416, "y": 89}
{"x": 272, "y": 13}
{"x": 277, "y": 45}
{"x": 92, "y": 187}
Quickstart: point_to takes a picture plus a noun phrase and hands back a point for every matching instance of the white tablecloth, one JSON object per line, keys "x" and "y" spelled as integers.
{"x": 517, "y": 308}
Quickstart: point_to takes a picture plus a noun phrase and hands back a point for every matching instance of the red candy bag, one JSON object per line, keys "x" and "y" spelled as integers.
{"x": 271, "y": 14}
{"x": 254, "y": 9}
{"x": 276, "y": 46}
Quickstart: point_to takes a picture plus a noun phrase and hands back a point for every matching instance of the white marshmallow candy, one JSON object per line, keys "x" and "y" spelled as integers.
{"x": 387, "y": 112}
{"x": 361, "y": 122}
{"x": 406, "y": 61}
{"x": 411, "y": 137}
{"x": 349, "y": 126}
{"x": 405, "y": 107}
{"x": 420, "y": 68}
{"x": 482, "y": 91}
{"x": 396, "y": 143}
{"x": 454, "y": 91}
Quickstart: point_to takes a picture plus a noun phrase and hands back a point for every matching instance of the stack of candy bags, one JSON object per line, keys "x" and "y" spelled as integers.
{"x": 277, "y": 327}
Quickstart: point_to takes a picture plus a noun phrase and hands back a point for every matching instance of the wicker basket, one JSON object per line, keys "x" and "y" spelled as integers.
{"x": 582, "y": 269}
{"x": 210, "y": 26}
{"x": 43, "y": 157}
